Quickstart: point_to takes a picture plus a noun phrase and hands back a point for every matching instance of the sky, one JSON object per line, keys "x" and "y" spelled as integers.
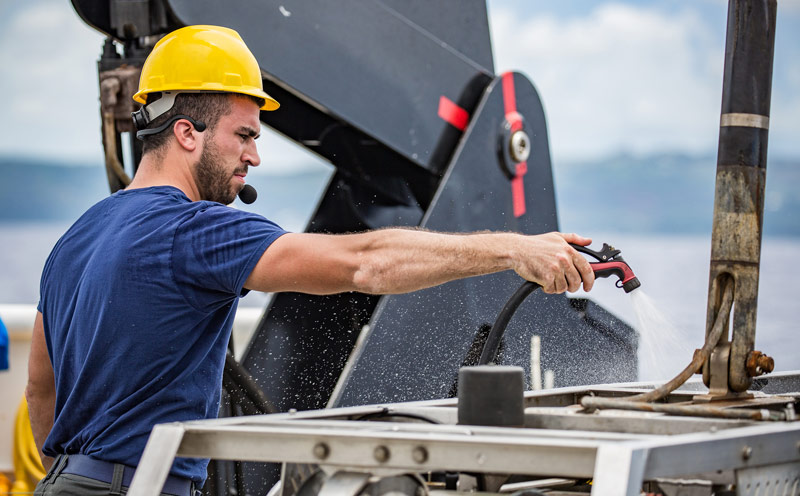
{"x": 634, "y": 77}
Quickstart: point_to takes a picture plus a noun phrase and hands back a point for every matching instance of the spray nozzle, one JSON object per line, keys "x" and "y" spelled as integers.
{"x": 610, "y": 262}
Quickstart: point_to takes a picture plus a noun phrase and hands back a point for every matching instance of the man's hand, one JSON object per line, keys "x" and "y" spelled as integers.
{"x": 549, "y": 260}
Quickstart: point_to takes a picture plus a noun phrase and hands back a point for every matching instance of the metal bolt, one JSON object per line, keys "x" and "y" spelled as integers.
{"x": 381, "y": 454}
{"x": 747, "y": 451}
{"x": 758, "y": 363}
{"x": 321, "y": 451}
{"x": 520, "y": 146}
{"x": 419, "y": 454}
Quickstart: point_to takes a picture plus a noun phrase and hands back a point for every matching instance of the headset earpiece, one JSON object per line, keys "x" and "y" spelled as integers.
{"x": 140, "y": 118}
{"x": 199, "y": 126}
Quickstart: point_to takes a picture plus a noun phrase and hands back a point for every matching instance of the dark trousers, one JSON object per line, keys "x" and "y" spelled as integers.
{"x": 56, "y": 483}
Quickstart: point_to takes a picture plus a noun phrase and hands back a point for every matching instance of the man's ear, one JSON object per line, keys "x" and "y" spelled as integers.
{"x": 184, "y": 133}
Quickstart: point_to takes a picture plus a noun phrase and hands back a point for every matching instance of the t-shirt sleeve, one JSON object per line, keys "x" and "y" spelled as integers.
{"x": 214, "y": 252}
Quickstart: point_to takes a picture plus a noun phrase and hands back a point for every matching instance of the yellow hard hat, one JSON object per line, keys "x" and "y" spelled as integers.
{"x": 202, "y": 58}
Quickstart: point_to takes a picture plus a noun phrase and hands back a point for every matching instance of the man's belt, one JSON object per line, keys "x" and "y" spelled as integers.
{"x": 92, "y": 468}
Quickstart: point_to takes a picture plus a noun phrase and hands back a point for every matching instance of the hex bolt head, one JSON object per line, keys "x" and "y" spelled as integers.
{"x": 758, "y": 363}
{"x": 419, "y": 454}
{"x": 747, "y": 451}
{"x": 321, "y": 451}
{"x": 381, "y": 454}
{"x": 520, "y": 146}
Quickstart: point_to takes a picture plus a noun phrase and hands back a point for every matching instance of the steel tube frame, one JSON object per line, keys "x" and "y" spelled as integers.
{"x": 618, "y": 461}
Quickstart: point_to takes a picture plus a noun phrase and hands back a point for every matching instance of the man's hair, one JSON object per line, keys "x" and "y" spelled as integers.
{"x": 206, "y": 107}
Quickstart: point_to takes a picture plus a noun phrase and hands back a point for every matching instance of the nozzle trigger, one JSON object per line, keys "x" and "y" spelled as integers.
{"x": 609, "y": 262}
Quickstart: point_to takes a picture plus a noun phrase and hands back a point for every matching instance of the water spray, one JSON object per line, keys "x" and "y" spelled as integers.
{"x": 609, "y": 263}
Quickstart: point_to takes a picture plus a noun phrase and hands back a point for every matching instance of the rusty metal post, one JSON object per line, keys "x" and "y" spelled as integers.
{"x": 739, "y": 194}
{"x": 119, "y": 80}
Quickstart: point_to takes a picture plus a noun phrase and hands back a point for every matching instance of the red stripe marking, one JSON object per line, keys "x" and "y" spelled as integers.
{"x": 510, "y": 102}
{"x": 453, "y": 114}
{"x": 515, "y": 120}
{"x": 509, "y": 98}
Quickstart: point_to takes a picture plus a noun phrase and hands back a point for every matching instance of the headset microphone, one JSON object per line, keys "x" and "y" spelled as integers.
{"x": 248, "y": 194}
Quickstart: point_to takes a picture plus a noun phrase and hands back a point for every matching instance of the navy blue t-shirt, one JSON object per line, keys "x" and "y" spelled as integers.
{"x": 138, "y": 299}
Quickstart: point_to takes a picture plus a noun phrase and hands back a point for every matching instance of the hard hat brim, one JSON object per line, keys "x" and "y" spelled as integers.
{"x": 269, "y": 102}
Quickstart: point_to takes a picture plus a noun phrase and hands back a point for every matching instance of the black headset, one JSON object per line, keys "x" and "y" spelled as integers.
{"x": 141, "y": 119}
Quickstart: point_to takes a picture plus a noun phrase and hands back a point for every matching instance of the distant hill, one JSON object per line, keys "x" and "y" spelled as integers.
{"x": 34, "y": 190}
{"x": 667, "y": 193}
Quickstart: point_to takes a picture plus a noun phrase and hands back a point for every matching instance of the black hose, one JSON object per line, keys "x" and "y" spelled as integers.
{"x": 248, "y": 396}
{"x": 495, "y": 337}
{"x": 238, "y": 381}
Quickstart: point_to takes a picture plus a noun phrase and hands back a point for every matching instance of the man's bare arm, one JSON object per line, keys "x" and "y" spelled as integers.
{"x": 41, "y": 390}
{"x": 392, "y": 261}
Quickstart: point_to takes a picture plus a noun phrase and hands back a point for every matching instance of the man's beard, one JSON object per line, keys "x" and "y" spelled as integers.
{"x": 213, "y": 180}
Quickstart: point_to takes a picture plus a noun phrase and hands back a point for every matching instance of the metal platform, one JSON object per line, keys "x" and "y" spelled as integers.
{"x": 620, "y": 451}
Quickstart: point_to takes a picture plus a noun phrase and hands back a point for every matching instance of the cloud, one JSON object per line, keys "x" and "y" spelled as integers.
{"x": 50, "y": 57}
{"x": 640, "y": 79}
{"x": 613, "y": 77}
{"x": 50, "y": 83}
{"x": 789, "y": 7}
{"x": 618, "y": 78}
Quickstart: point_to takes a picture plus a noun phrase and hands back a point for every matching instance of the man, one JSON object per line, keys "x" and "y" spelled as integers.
{"x": 138, "y": 297}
